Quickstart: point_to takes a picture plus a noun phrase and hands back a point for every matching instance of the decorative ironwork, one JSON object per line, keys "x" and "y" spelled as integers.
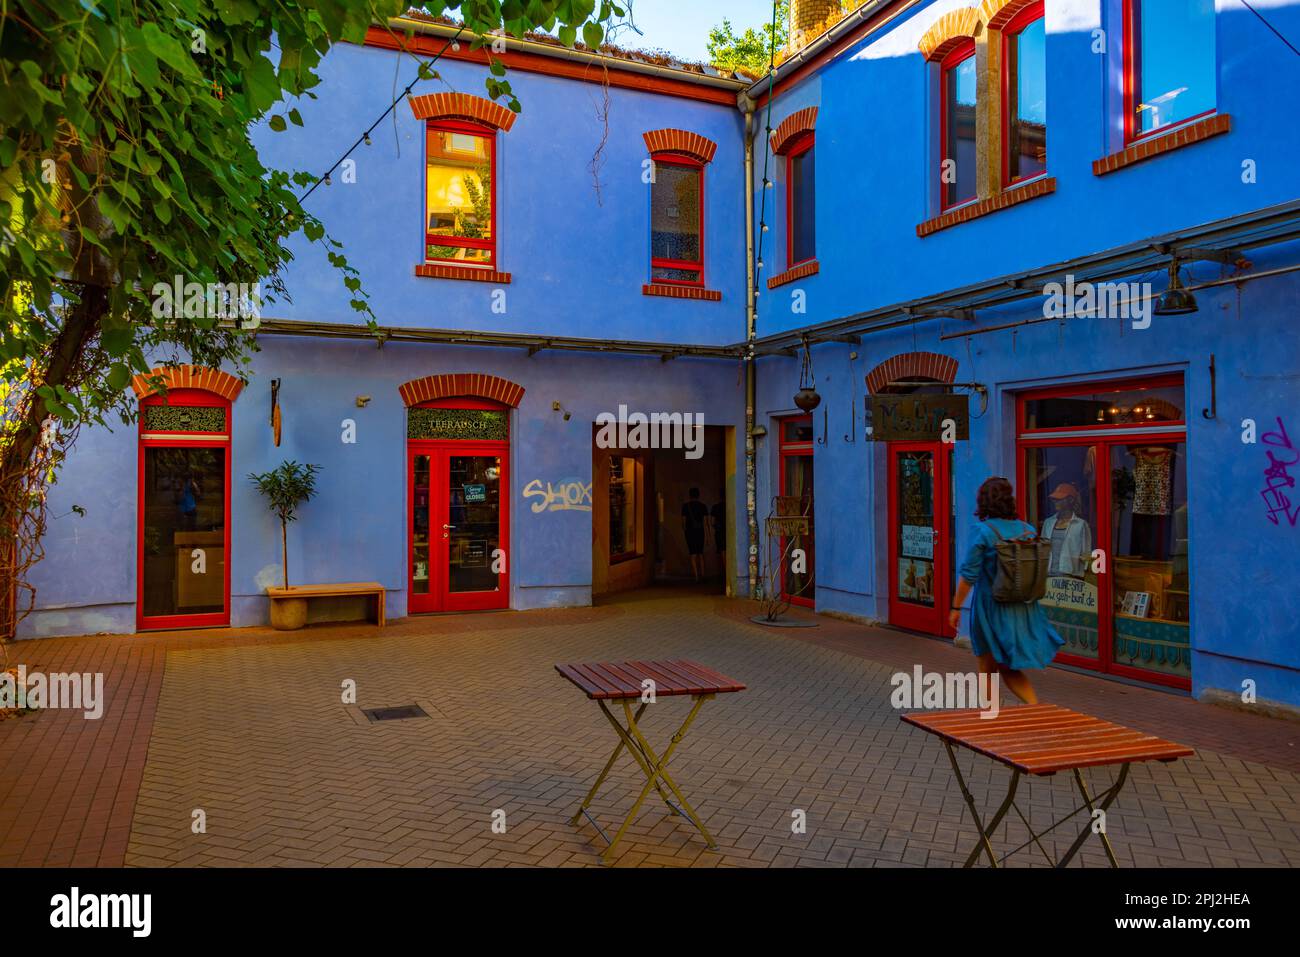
{"x": 480, "y": 424}
{"x": 184, "y": 418}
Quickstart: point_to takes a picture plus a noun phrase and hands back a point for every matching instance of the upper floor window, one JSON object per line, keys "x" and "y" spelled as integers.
{"x": 1024, "y": 88}
{"x": 677, "y": 221}
{"x": 1169, "y": 63}
{"x": 460, "y": 193}
{"x": 957, "y": 125}
{"x": 800, "y": 202}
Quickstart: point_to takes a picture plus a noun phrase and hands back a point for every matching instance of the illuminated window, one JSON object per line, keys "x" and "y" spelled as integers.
{"x": 459, "y": 194}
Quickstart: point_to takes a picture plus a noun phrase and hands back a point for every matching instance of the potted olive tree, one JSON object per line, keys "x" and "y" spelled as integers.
{"x": 285, "y": 488}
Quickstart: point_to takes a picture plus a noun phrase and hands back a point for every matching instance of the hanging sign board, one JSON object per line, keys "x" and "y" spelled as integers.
{"x": 918, "y": 418}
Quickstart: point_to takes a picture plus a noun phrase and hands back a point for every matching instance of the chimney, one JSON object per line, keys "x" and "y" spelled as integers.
{"x": 809, "y": 19}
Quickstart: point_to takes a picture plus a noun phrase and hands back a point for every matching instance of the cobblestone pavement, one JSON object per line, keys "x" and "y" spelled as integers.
{"x": 249, "y": 727}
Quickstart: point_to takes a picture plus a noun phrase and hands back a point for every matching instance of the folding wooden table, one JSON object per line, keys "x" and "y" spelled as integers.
{"x": 645, "y": 681}
{"x": 1042, "y": 739}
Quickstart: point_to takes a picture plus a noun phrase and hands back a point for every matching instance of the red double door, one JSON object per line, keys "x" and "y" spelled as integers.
{"x": 921, "y": 548}
{"x": 458, "y": 505}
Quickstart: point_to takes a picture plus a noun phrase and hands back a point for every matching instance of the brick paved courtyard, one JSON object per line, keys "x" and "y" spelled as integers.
{"x": 249, "y": 727}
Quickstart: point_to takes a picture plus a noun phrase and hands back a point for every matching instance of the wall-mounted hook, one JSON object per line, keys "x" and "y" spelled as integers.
{"x": 825, "y": 427}
{"x": 1213, "y": 411}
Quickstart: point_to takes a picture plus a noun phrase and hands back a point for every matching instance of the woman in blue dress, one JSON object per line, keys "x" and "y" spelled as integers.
{"x": 1008, "y": 637}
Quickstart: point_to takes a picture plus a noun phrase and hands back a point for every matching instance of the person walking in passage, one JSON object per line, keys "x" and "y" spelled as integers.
{"x": 1008, "y": 637}
{"x": 694, "y": 513}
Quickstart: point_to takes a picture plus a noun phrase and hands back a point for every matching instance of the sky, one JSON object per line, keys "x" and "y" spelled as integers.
{"x": 682, "y": 26}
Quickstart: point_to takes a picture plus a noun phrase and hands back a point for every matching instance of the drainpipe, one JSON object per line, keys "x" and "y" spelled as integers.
{"x": 751, "y": 363}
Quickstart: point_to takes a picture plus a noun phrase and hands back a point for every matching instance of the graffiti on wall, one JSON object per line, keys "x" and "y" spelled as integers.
{"x": 1276, "y": 478}
{"x": 567, "y": 495}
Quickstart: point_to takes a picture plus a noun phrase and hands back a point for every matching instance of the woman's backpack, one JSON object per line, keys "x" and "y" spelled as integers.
{"x": 1022, "y": 568}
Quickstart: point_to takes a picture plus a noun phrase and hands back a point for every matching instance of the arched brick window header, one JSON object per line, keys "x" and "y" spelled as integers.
{"x": 797, "y": 123}
{"x": 693, "y": 145}
{"x": 189, "y": 377}
{"x": 949, "y": 32}
{"x": 912, "y": 365}
{"x": 476, "y": 384}
{"x": 998, "y": 13}
{"x": 462, "y": 106}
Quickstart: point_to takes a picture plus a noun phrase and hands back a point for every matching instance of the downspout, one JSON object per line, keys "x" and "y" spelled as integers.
{"x": 750, "y": 360}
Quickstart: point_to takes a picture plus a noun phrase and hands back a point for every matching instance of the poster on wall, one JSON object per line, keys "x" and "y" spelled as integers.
{"x": 917, "y": 541}
{"x": 916, "y": 581}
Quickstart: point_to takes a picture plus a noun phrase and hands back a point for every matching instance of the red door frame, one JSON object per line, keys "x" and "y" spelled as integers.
{"x": 1113, "y": 435}
{"x": 932, "y": 621}
{"x": 792, "y": 449}
{"x": 154, "y": 440}
{"x": 439, "y": 451}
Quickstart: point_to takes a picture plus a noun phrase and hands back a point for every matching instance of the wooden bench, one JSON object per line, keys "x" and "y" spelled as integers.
{"x": 289, "y": 605}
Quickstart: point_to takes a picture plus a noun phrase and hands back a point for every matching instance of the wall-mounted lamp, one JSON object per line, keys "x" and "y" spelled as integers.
{"x": 1174, "y": 301}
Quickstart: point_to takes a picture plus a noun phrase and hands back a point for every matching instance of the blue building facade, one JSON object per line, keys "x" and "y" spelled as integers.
{"x": 957, "y": 222}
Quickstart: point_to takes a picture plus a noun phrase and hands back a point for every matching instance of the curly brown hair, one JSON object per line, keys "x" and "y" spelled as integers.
{"x": 996, "y": 499}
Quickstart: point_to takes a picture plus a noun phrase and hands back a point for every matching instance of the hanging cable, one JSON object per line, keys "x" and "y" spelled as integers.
{"x": 1276, "y": 31}
{"x": 767, "y": 153}
{"x": 365, "y": 137}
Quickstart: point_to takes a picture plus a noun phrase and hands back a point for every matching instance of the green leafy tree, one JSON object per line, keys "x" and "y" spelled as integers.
{"x": 750, "y": 51}
{"x": 285, "y": 488}
{"x": 126, "y": 161}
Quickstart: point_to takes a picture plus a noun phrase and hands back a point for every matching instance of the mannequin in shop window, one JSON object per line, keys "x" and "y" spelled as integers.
{"x": 1069, "y": 534}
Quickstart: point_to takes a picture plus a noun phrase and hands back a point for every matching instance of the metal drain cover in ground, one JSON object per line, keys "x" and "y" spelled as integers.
{"x": 399, "y": 713}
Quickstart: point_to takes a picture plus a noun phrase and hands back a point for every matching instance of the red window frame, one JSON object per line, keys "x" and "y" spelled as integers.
{"x": 801, "y": 144}
{"x": 1172, "y": 380}
{"x": 488, "y": 134}
{"x": 964, "y": 51}
{"x": 1132, "y": 10}
{"x": 189, "y": 440}
{"x": 1010, "y": 33}
{"x": 678, "y": 159}
{"x": 1107, "y": 436}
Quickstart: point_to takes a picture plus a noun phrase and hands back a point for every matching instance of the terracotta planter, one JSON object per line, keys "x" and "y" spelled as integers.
{"x": 288, "y": 614}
